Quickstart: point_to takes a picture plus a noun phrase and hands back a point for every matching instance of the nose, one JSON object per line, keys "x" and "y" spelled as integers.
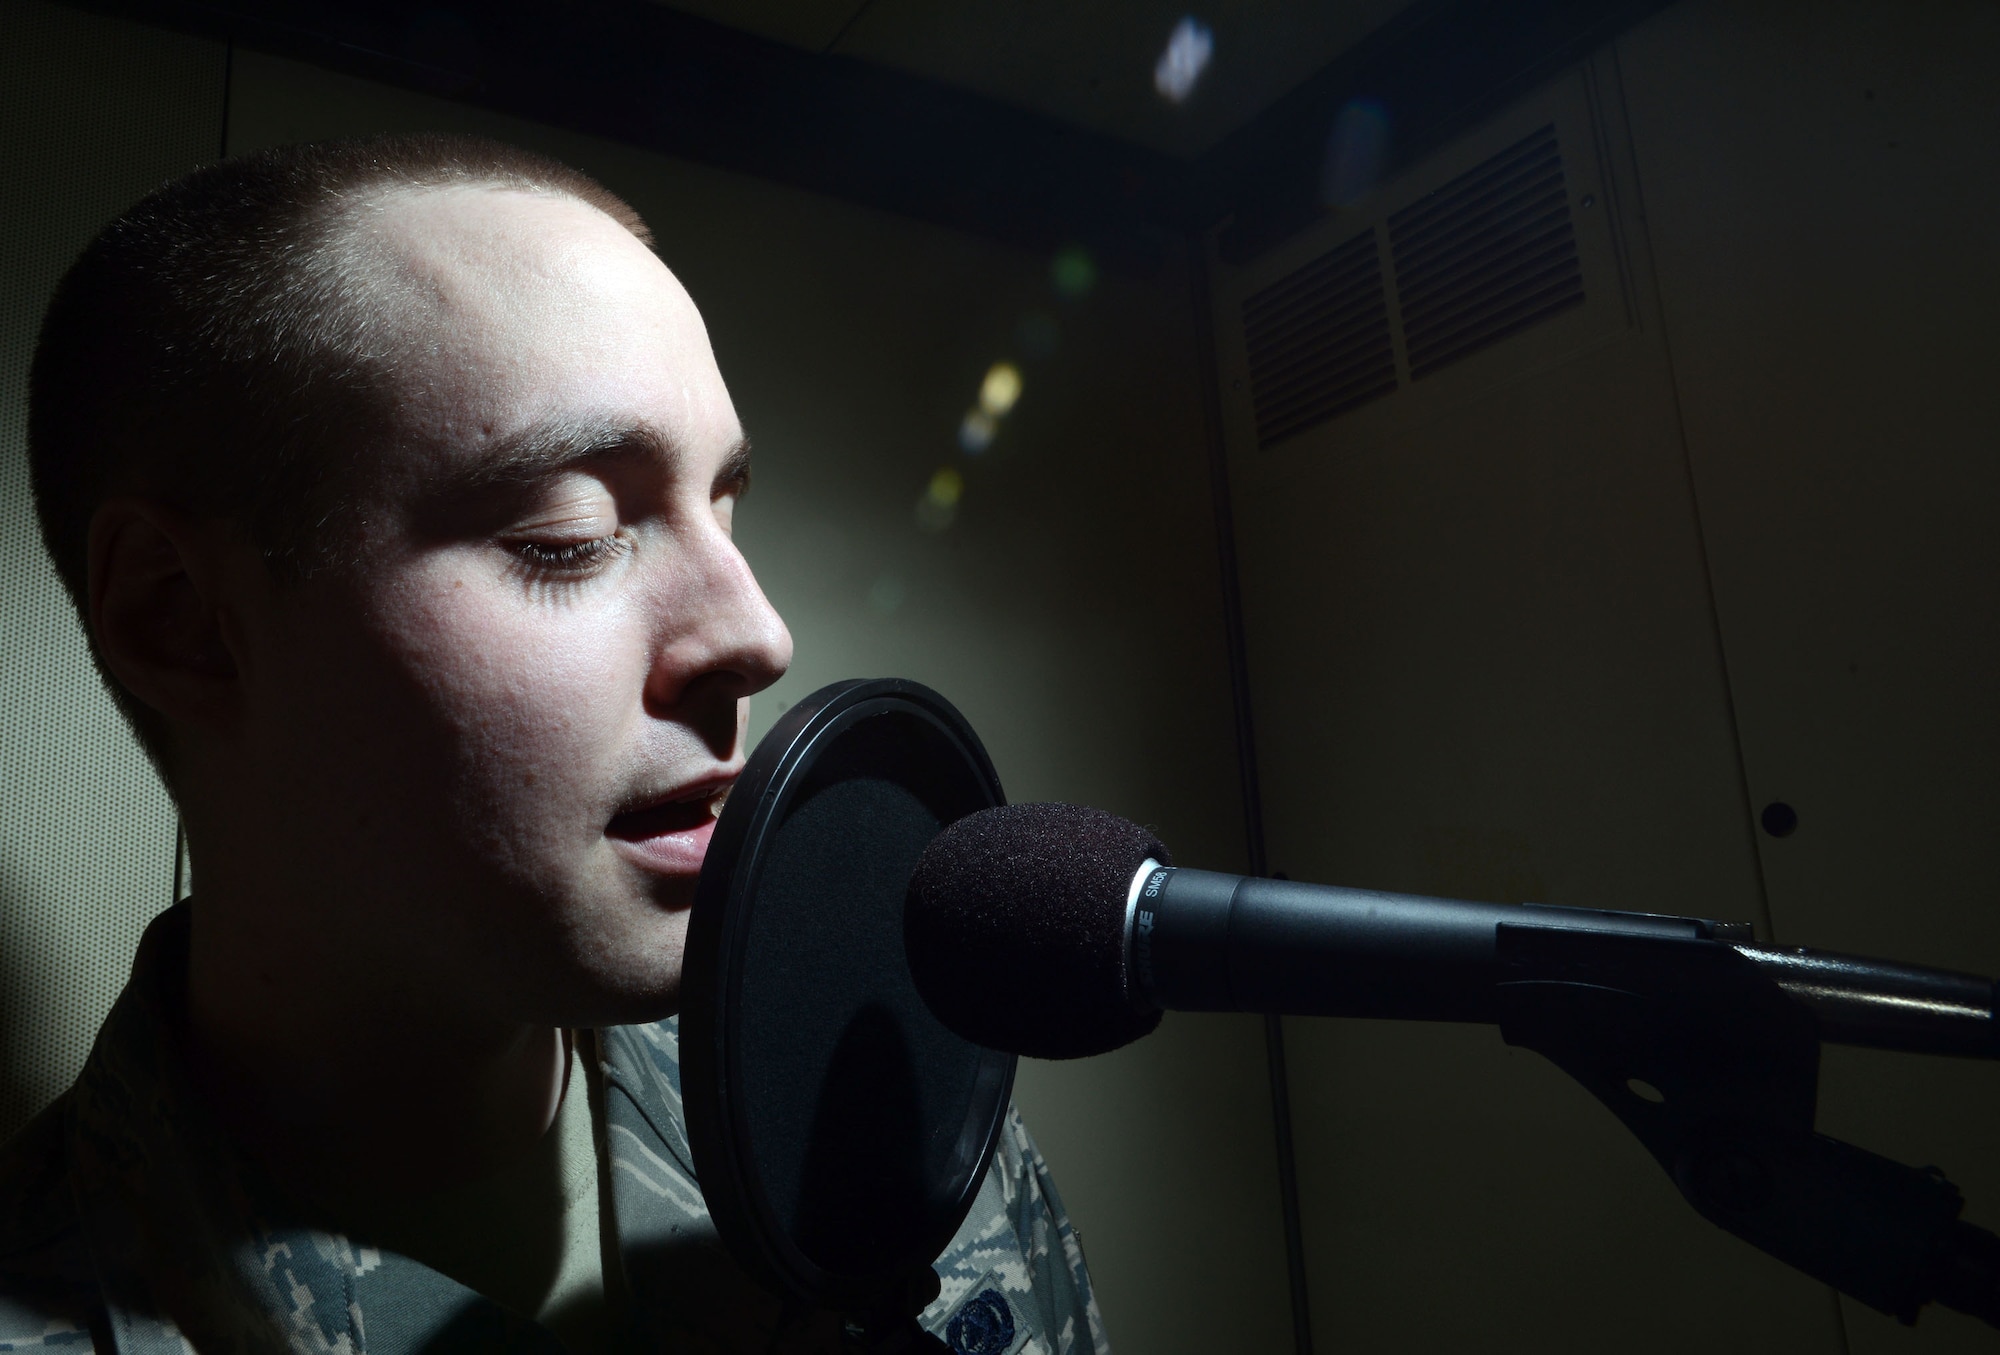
{"x": 719, "y": 639}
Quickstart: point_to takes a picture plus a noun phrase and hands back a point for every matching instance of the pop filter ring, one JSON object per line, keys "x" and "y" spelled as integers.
{"x": 719, "y": 1119}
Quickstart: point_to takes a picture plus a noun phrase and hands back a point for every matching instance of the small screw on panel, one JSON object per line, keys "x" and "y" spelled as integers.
{"x": 1779, "y": 819}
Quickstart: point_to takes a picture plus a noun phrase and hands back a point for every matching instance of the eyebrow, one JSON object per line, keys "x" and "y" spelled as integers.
{"x": 549, "y": 447}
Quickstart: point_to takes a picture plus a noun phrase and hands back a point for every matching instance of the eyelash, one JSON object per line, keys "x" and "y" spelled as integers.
{"x": 573, "y": 560}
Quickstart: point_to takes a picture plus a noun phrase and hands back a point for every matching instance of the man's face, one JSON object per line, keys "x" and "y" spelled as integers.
{"x": 498, "y": 740}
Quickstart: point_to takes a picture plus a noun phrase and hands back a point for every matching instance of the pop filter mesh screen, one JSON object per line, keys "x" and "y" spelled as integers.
{"x": 854, "y": 1096}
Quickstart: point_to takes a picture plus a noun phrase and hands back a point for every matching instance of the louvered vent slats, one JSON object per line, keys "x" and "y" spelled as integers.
{"x": 1318, "y": 341}
{"x": 1486, "y": 256}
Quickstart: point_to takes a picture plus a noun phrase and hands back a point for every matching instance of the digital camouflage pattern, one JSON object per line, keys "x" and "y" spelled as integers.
{"x": 127, "y": 1224}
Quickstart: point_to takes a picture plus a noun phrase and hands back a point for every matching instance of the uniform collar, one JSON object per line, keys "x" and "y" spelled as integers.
{"x": 187, "y": 1236}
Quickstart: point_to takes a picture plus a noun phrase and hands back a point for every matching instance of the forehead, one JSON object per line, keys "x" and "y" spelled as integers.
{"x": 525, "y": 309}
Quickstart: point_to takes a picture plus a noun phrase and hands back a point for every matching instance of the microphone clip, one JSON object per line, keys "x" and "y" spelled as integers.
{"x": 1706, "y": 1060}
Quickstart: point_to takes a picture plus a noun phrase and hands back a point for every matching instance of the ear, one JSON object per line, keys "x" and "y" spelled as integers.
{"x": 156, "y": 588}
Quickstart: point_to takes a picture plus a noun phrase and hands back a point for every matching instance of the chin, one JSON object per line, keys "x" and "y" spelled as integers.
{"x": 630, "y": 983}
{"x": 607, "y": 953}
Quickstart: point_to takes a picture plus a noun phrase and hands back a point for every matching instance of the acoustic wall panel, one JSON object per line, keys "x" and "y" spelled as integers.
{"x": 93, "y": 114}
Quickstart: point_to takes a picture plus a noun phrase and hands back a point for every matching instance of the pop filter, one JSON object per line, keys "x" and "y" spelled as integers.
{"x": 840, "y": 1132}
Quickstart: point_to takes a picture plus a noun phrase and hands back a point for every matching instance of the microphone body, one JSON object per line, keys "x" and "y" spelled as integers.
{"x": 1057, "y": 931}
{"x": 1203, "y": 941}
{"x": 1208, "y": 942}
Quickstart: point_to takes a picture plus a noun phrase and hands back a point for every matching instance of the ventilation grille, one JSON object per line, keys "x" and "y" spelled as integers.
{"x": 1486, "y": 256}
{"x": 1318, "y": 341}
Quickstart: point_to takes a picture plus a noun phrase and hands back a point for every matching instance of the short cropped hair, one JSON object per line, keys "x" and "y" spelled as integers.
{"x": 222, "y": 347}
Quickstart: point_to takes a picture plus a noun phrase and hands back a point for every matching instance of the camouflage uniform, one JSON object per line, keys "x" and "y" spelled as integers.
{"x": 127, "y": 1224}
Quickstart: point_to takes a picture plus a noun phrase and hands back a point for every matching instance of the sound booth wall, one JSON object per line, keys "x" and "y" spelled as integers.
{"x": 94, "y": 114}
{"x": 1822, "y": 195}
{"x": 1695, "y": 521}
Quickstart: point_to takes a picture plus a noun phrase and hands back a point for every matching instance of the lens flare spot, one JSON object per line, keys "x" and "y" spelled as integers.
{"x": 975, "y": 434}
{"x": 1179, "y": 68}
{"x": 939, "y": 504}
{"x": 1000, "y": 389}
{"x": 946, "y": 487}
{"x": 1073, "y": 271}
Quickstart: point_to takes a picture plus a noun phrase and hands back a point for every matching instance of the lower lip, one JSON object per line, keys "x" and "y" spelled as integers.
{"x": 677, "y": 853}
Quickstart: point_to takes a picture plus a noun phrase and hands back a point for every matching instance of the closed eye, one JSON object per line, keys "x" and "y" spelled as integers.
{"x": 731, "y": 483}
{"x": 573, "y": 559}
{"x": 572, "y": 534}
{"x": 732, "y": 480}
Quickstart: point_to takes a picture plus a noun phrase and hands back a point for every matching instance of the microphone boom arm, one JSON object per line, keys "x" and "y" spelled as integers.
{"x": 1715, "y": 1069}
{"x": 1705, "y": 1045}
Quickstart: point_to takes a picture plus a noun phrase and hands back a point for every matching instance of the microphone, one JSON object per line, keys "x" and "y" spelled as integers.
{"x": 937, "y": 953}
{"x": 1058, "y": 931}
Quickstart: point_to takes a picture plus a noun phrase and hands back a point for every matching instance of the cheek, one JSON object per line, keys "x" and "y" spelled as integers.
{"x": 535, "y": 692}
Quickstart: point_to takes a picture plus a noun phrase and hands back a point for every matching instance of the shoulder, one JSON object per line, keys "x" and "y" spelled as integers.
{"x": 1020, "y": 1194}
{"x": 46, "y": 1284}
{"x": 37, "y": 1204}
{"x": 1014, "y": 1278}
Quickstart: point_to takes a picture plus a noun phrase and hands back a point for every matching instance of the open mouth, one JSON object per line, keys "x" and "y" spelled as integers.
{"x": 692, "y": 811}
{"x": 671, "y": 837}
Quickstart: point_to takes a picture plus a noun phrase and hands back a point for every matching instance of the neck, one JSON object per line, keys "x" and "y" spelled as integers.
{"x": 344, "y": 1085}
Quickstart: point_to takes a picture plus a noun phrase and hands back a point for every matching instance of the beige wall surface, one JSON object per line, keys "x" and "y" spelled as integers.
{"x": 93, "y": 115}
{"x": 1507, "y": 624}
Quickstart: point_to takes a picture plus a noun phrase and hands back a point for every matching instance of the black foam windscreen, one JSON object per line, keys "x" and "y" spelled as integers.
{"x": 1015, "y": 928}
{"x": 839, "y": 1129}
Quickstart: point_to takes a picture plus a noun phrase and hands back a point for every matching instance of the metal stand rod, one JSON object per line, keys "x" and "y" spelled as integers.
{"x": 1716, "y": 1069}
